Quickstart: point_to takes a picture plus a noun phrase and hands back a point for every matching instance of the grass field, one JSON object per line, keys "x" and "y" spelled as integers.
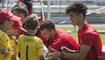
{"x": 75, "y": 34}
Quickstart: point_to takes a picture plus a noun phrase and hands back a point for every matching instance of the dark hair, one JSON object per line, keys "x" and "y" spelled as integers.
{"x": 77, "y": 7}
{"x": 20, "y": 8}
{"x": 47, "y": 24}
{"x": 28, "y": 4}
{"x": 31, "y": 22}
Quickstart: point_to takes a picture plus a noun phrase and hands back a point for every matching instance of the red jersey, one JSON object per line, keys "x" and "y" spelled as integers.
{"x": 62, "y": 39}
{"x": 90, "y": 37}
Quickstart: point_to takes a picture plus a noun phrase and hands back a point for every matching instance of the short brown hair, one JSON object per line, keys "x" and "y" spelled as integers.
{"x": 77, "y": 7}
{"x": 31, "y": 22}
{"x": 20, "y": 8}
{"x": 47, "y": 24}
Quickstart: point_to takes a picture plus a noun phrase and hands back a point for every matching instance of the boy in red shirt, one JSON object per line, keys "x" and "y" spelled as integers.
{"x": 89, "y": 39}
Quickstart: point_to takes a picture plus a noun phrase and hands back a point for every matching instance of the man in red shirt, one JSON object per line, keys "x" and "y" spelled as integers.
{"x": 56, "y": 38}
{"x": 89, "y": 39}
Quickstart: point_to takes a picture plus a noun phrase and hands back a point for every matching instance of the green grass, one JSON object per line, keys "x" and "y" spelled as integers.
{"x": 76, "y": 36}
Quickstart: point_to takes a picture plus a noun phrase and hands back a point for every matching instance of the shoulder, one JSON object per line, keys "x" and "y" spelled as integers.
{"x": 37, "y": 39}
{"x": 91, "y": 32}
{"x": 61, "y": 33}
{"x": 65, "y": 36}
{"x": 88, "y": 30}
{"x": 21, "y": 36}
{"x": 2, "y": 33}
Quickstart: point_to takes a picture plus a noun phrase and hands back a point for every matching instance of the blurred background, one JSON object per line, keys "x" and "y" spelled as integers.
{"x": 95, "y": 13}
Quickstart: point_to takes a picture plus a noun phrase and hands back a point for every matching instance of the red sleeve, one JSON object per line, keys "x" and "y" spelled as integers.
{"x": 71, "y": 43}
{"x": 88, "y": 39}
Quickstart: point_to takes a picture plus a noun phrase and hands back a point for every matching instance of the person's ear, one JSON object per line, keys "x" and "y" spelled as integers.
{"x": 81, "y": 17}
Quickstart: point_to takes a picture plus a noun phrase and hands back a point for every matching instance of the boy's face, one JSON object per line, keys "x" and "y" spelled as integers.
{"x": 13, "y": 31}
{"x": 74, "y": 18}
{"x": 10, "y": 30}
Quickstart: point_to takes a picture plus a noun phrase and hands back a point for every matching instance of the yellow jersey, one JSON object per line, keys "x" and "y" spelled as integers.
{"x": 30, "y": 47}
{"x": 4, "y": 38}
{"x": 13, "y": 48}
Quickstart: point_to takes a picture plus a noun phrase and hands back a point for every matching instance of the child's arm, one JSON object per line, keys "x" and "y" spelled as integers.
{"x": 40, "y": 50}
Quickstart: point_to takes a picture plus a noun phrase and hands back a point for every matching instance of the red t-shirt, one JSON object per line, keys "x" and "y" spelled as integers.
{"x": 62, "y": 39}
{"x": 90, "y": 37}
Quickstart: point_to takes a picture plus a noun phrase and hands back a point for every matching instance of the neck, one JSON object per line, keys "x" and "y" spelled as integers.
{"x": 81, "y": 24}
{"x": 30, "y": 32}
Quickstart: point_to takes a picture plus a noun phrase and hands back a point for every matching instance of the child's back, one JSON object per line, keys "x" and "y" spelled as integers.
{"x": 30, "y": 47}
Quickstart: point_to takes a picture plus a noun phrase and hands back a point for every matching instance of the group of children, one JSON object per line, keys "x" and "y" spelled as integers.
{"x": 17, "y": 35}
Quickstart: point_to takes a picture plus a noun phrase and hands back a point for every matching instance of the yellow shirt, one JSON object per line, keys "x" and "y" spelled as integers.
{"x": 4, "y": 44}
{"x": 13, "y": 48}
{"x": 30, "y": 47}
